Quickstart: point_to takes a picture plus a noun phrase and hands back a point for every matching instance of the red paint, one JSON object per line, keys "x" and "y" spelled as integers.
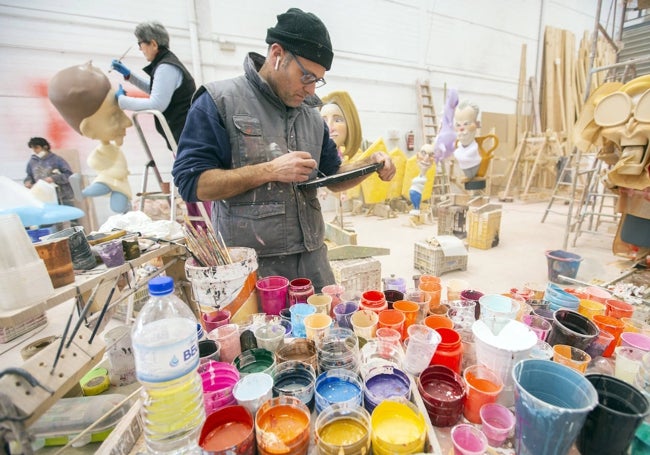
{"x": 226, "y": 435}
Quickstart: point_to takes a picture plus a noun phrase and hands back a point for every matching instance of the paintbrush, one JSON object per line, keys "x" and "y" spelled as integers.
{"x": 103, "y": 311}
{"x": 123, "y": 55}
{"x": 84, "y": 312}
{"x": 78, "y": 304}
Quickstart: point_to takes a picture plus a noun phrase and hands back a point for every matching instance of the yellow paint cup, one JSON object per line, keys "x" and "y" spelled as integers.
{"x": 397, "y": 427}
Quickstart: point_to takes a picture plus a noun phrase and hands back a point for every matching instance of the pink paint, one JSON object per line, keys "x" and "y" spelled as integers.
{"x": 468, "y": 440}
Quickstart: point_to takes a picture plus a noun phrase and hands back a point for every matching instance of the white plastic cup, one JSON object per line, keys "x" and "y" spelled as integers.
{"x": 421, "y": 344}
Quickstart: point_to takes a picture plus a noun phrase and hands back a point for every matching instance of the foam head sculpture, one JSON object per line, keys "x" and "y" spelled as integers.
{"x": 83, "y": 96}
{"x": 342, "y": 102}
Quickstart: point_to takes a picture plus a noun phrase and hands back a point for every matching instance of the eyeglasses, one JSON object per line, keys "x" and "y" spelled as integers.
{"x": 307, "y": 76}
{"x": 617, "y": 108}
{"x": 140, "y": 44}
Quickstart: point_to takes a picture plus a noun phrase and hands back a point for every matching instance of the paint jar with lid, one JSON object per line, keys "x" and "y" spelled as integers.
{"x": 449, "y": 351}
{"x": 343, "y": 430}
{"x": 295, "y": 379}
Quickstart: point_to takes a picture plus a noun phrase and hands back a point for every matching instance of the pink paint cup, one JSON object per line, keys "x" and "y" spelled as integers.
{"x": 273, "y": 292}
{"x": 215, "y": 319}
{"x": 497, "y": 423}
{"x": 468, "y": 440}
{"x": 636, "y": 340}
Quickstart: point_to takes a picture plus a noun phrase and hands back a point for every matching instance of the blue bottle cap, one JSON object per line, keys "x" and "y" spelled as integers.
{"x": 161, "y": 285}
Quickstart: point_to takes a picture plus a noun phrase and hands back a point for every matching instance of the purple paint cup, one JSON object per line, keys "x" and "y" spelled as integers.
{"x": 343, "y": 312}
{"x": 272, "y": 291}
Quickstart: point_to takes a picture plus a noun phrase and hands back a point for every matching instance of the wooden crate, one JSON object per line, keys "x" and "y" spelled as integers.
{"x": 483, "y": 226}
{"x": 358, "y": 274}
{"x": 429, "y": 258}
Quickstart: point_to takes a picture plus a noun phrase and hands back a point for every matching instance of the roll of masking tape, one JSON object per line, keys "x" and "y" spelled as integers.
{"x": 95, "y": 382}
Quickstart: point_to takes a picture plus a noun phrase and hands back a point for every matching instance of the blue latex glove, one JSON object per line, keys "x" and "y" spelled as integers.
{"x": 119, "y": 92}
{"x": 120, "y": 68}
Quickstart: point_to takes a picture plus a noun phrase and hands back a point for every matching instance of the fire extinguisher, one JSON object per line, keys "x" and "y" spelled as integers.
{"x": 410, "y": 141}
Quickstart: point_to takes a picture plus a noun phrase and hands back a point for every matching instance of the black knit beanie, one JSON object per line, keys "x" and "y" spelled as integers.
{"x": 303, "y": 34}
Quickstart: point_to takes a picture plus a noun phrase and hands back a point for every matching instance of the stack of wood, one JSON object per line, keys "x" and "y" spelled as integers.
{"x": 545, "y": 127}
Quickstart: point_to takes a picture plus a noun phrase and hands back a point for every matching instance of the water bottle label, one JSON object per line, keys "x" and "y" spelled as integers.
{"x": 166, "y": 350}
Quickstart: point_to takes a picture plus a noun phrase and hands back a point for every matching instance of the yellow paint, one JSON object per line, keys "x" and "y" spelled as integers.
{"x": 399, "y": 160}
{"x": 397, "y": 426}
{"x": 412, "y": 170}
{"x": 343, "y": 432}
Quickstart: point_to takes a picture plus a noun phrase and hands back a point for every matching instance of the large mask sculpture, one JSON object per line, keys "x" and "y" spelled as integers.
{"x": 83, "y": 96}
{"x": 616, "y": 118}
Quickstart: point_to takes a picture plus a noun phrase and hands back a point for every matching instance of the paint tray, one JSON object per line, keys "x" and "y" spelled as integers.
{"x": 70, "y": 416}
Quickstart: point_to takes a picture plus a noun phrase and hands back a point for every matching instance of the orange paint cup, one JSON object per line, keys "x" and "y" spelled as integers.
{"x": 282, "y": 427}
{"x": 610, "y": 325}
{"x": 436, "y": 321}
{"x": 483, "y": 387}
{"x": 392, "y": 319}
{"x": 410, "y": 311}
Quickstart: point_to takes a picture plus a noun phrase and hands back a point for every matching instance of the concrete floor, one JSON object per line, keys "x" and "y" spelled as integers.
{"x": 519, "y": 257}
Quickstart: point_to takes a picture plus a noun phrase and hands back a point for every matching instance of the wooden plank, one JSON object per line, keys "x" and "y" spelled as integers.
{"x": 340, "y": 236}
{"x": 521, "y": 88}
{"x": 355, "y": 252}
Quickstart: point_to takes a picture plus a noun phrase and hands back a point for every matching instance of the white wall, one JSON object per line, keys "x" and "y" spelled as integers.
{"x": 382, "y": 47}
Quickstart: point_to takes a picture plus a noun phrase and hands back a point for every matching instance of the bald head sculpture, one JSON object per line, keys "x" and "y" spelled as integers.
{"x": 77, "y": 92}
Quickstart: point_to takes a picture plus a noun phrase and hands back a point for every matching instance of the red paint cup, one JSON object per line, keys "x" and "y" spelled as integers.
{"x": 618, "y": 309}
{"x": 273, "y": 292}
{"x": 229, "y": 430}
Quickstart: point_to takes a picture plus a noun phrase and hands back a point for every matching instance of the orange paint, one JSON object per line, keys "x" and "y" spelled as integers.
{"x": 225, "y": 436}
{"x": 288, "y": 424}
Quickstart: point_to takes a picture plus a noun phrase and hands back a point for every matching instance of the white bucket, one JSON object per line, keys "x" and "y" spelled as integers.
{"x": 501, "y": 352}
{"x": 220, "y": 285}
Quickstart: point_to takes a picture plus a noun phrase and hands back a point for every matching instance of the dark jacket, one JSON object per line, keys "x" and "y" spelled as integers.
{"x": 180, "y": 103}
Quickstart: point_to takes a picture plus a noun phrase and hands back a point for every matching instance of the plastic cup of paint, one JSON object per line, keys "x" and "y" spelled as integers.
{"x": 58, "y": 262}
{"x": 497, "y": 422}
{"x": 376, "y": 353}
{"x": 228, "y": 338}
{"x": 497, "y": 310}
{"x": 228, "y": 430}
{"x": 338, "y": 386}
{"x": 343, "y": 312}
{"x": 208, "y": 350}
{"x": 335, "y": 291}
{"x": 282, "y": 426}
{"x": 397, "y": 427}
{"x": 373, "y": 300}
{"x": 391, "y": 319}
{"x": 389, "y": 336}
{"x": 454, "y": 287}
{"x": 296, "y": 379}
{"x": 590, "y": 308}
{"x": 599, "y": 344}
{"x": 298, "y": 349}
{"x": 317, "y": 325}
{"x": 254, "y": 360}
{"x": 273, "y": 292}
{"x": 364, "y": 323}
{"x": 111, "y": 253}
{"x": 218, "y": 380}
{"x": 468, "y": 440}
{"x": 635, "y": 325}
{"x": 270, "y": 336}
{"x": 618, "y": 309}
{"x": 437, "y": 321}
{"x": 542, "y": 351}
{"x": 483, "y": 387}
{"x": 420, "y": 347}
{"x": 627, "y": 363}
{"x": 411, "y": 311}
{"x": 215, "y": 319}
{"x": 322, "y": 302}
{"x": 252, "y": 390}
{"x": 571, "y": 356}
{"x": 613, "y": 326}
{"x": 382, "y": 383}
{"x": 343, "y": 430}
{"x": 443, "y": 392}
{"x": 299, "y": 312}
{"x": 338, "y": 349}
{"x": 80, "y": 250}
{"x": 538, "y": 324}
{"x": 392, "y": 296}
{"x": 461, "y": 313}
{"x": 635, "y": 340}
{"x": 573, "y": 329}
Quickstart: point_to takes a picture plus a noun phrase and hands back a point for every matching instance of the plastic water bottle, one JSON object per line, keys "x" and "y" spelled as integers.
{"x": 166, "y": 360}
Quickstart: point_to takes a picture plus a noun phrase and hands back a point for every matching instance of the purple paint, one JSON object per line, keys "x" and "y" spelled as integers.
{"x": 385, "y": 382}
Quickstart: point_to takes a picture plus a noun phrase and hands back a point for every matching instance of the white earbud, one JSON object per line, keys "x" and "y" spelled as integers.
{"x": 277, "y": 63}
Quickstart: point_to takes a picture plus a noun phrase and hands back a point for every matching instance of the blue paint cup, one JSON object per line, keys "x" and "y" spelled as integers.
{"x": 338, "y": 386}
{"x": 299, "y": 312}
{"x": 551, "y": 404}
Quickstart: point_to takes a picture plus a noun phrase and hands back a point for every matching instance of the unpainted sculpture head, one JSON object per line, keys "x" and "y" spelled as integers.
{"x": 466, "y": 122}
{"x": 342, "y": 118}
{"x": 83, "y": 96}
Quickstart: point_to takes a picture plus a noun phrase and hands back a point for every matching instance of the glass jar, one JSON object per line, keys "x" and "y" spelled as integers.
{"x": 299, "y": 290}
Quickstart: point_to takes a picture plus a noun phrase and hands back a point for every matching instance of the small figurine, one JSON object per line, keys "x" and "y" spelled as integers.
{"x": 425, "y": 158}
{"x": 467, "y": 150}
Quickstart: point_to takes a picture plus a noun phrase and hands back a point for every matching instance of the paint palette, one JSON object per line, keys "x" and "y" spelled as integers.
{"x": 341, "y": 177}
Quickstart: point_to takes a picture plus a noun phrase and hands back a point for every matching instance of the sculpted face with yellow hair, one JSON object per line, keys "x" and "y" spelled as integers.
{"x": 342, "y": 118}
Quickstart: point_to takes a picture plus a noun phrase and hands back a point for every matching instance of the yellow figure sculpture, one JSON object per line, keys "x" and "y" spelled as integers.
{"x": 83, "y": 96}
{"x": 342, "y": 118}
